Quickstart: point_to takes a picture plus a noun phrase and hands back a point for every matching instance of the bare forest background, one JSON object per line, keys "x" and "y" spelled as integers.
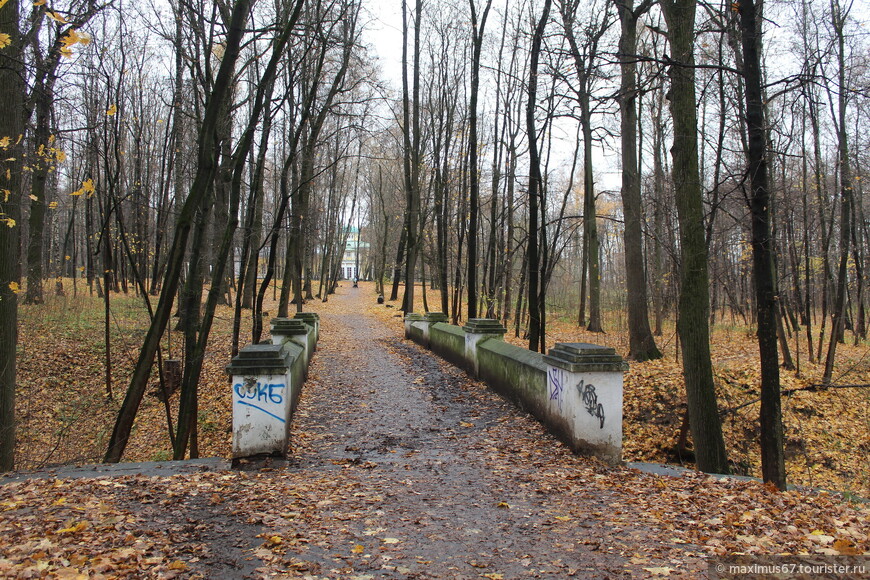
{"x": 199, "y": 156}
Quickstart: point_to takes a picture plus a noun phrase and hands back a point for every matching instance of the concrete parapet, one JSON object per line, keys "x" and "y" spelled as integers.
{"x": 575, "y": 390}
{"x": 263, "y": 397}
{"x": 448, "y": 342}
{"x": 267, "y": 380}
{"x": 477, "y": 330}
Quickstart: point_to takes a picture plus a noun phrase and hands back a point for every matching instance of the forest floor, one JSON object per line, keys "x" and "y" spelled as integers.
{"x": 401, "y": 467}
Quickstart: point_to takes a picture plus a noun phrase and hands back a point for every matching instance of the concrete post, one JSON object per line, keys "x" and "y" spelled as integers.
{"x": 294, "y": 330}
{"x": 476, "y": 330}
{"x": 261, "y": 399}
{"x": 312, "y": 319}
{"x": 584, "y": 388}
{"x": 410, "y": 318}
{"x": 431, "y": 318}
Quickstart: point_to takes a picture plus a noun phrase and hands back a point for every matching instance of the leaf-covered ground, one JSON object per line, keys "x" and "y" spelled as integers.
{"x": 827, "y": 432}
{"x": 403, "y": 467}
{"x": 65, "y": 417}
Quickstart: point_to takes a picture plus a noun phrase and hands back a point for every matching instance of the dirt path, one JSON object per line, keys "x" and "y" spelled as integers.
{"x": 401, "y": 467}
{"x": 451, "y": 491}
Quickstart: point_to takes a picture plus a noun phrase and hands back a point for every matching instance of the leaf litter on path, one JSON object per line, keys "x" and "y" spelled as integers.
{"x": 389, "y": 477}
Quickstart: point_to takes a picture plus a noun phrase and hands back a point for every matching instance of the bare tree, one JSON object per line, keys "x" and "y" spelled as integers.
{"x": 11, "y": 132}
{"x": 642, "y": 345}
{"x": 693, "y": 322}
{"x": 772, "y": 457}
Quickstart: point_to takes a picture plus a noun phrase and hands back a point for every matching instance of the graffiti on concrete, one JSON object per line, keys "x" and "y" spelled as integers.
{"x": 590, "y": 401}
{"x": 253, "y": 393}
{"x": 555, "y": 381}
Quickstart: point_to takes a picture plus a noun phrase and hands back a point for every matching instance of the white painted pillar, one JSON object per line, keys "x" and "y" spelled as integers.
{"x": 312, "y": 319}
{"x": 431, "y": 318}
{"x": 476, "y": 330}
{"x": 261, "y": 386}
{"x": 410, "y": 318}
{"x": 584, "y": 388}
{"x": 293, "y": 329}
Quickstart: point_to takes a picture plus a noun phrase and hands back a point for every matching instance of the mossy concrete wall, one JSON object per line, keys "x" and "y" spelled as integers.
{"x": 448, "y": 342}
{"x": 520, "y": 375}
{"x": 583, "y": 409}
{"x": 517, "y": 373}
{"x": 298, "y": 372}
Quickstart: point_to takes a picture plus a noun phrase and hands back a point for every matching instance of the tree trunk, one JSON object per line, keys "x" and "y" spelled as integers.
{"x": 838, "y": 315}
{"x": 642, "y": 345}
{"x": 474, "y": 178}
{"x": 772, "y": 456}
{"x": 12, "y": 126}
{"x": 533, "y": 260}
{"x": 411, "y": 112}
{"x": 694, "y": 303}
{"x": 42, "y": 163}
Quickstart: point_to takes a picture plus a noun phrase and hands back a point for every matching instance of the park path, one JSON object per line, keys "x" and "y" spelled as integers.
{"x": 400, "y": 466}
{"x": 452, "y": 476}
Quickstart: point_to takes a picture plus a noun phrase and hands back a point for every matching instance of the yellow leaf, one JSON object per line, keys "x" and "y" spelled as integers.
{"x": 66, "y": 52}
{"x": 56, "y": 17}
{"x": 76, "y": 528}
{"x": 5, "y": 141}
{"x": 60, "y": 156}
{"x": 35, "y": 2}
{"x": 503, "y": 504}
{"x": 177, "y": 565}
{"x": 52, "y": 205}
{"x": 33, "y": 197}
{"x": 87, "y": 187}
{"x": 111, "y": 110}
{"x": 14, "y": 287}
{"x": 358, "y": 549}
{"x": 847, "y": 548}
{"x": 5, "y": 39}
{"x": 70, "y": 38}
{"x": 59, "y": 501}
{"x": 10, "y": 223}
{"x": 660, "y": 571}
